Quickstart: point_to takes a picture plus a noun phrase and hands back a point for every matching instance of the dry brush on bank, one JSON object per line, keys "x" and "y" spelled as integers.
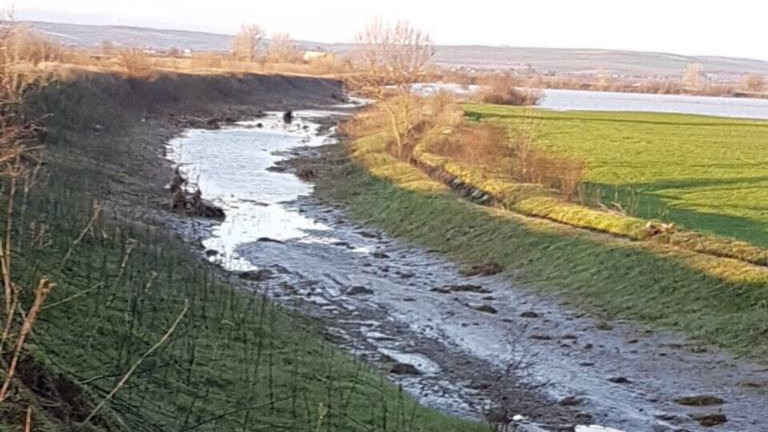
{"x": 20, "y": 161}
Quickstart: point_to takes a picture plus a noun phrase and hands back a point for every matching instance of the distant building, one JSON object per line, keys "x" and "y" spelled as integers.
{"x": 315, "y": 55}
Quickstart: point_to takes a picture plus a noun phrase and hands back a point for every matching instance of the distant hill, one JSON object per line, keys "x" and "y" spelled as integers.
{"x": 556, "y": 60}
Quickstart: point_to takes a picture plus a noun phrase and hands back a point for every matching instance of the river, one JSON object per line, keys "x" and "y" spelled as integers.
{"x": 388, "y": 301}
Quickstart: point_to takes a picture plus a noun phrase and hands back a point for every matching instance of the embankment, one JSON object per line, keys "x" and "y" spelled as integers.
{"x": 98, "y": 359}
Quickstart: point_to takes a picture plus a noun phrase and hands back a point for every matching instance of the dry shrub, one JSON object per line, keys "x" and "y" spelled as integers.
{"x": 136, "y": 63}
{"x": 505, "y": 90}
{"x": 20, "y": 54}
{"x": 533, "y": 165}
{"x": 282, "y": 50}
{"x": 482, "y": 143}
{"x": 752, "y": 83}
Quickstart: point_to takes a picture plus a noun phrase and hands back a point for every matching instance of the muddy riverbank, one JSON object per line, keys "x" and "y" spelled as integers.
{"x": 476, "y": 346}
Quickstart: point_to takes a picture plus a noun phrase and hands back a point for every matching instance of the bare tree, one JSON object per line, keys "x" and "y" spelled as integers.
{"x": 283, "y": 50}
{"x": 692, "y": 76}
{"x": 245, "y": 46}
{"x": 388, "y": 59}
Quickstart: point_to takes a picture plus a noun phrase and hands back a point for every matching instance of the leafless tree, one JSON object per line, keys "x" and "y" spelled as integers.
{"x": 245, "y": 46}
{"x": 283, "y": 50}
{"x": 388, "y": 59}
{"x": 692, "y": 76}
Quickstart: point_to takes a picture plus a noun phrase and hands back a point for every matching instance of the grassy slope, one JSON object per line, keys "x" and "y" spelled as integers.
{"x": 234, "y": 363}
{"x": 715, "y": 300}
{"x": 707, "y": 174}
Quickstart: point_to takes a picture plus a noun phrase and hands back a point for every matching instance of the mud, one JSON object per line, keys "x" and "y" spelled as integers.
{"x": 498, "y": 352}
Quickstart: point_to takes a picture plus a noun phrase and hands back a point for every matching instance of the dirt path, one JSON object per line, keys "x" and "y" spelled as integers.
{"x": 471, "y": 346}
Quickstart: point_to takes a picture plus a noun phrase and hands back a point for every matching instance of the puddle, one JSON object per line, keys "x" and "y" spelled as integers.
{"x": 378, "y": 296}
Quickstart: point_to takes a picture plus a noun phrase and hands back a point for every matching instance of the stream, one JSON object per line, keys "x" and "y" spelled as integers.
{"x": 472, "y": 340}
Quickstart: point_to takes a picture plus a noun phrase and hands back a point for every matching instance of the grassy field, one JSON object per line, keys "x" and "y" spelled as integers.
{"x": 706, "y": 174}
{"x": 233, "y": 362}
{"x": 711, "y": 299}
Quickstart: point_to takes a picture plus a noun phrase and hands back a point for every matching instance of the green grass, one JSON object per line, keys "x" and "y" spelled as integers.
{"x": 715, "y": 300}
{"x": 704, "y": 173}
{"x": 236, "y": 362}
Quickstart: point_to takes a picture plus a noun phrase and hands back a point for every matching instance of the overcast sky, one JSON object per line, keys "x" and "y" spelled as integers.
{"x": 693, "y": 27}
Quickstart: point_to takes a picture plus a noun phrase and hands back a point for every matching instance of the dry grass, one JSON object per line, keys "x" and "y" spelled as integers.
{"x": 20, "y": 159}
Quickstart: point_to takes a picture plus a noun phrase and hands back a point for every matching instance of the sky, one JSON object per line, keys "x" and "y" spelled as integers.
{"x": 693, "y": 27}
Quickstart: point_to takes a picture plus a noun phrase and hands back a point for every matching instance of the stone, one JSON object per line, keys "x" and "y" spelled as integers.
{"x": 359, "y": 290}
{"x": 404, "y": 369}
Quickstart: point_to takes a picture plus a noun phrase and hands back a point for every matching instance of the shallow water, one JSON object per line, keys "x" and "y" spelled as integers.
{"x": 231, "y": 167}
{"x": 317, "y": 256}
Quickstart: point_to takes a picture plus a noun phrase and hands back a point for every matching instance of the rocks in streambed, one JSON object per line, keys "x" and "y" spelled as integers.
{"x": 620, "y": 380}
{"x": 709, "y": 420}
{"x": 404, "y": 369}
{"x": 571, "y": 401}
{"x": 359, "y": 290}
{"x": 269, "y": 240}
{"x": 256, "y": 275}
{"x": 485, "y": 308}
{"x": 530, "y": 314}
{"x": 379, "y": 255}
{"x": 306, "y": 173}
{"x": 604, "y": 326}
{"x": 699, "y": 401}
{"x": 449, "y": 289}
{"x": 485, "y": 269}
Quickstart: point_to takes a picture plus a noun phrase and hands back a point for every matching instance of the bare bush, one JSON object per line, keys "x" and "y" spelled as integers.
{"x": 753, "y": 83}
{"x": 136, "y": 63}
{"x": 246, "y": 45}
{"x": 692, "y": 76}
{"x": 387, "y": 59}
{"x": 283, "y": 50}
{"x": 483, "y": 143}
{"x": 505, "y": 90}
{"x": 533, "y": 165}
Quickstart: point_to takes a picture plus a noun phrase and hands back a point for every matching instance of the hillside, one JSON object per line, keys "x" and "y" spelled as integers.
{"x": 481, "y": 57}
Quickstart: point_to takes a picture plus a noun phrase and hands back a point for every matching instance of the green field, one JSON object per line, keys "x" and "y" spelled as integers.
{"x": 704, "y": 173}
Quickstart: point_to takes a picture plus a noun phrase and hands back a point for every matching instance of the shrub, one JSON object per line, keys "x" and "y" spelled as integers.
{"x": 136, "y": 63}
{"x": 504, "y": 90}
